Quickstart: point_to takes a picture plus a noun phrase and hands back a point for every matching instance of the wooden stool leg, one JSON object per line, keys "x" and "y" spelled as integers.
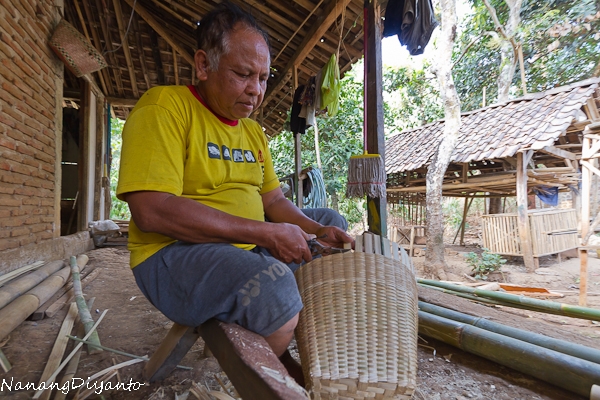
{"x": 173, "y": 348}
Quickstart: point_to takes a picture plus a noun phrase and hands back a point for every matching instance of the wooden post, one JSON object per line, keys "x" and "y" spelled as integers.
{"x": 376, "y": 207}
{"x": 585, "y": 218}
{"x": 523, "y": 218}
{"x": 463, "y": 223}
{"x": 297, "y": 148}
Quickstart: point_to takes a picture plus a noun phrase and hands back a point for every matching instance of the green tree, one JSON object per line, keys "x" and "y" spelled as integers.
{"x": 560, "y": 46}
{"x": 119, "y": 209}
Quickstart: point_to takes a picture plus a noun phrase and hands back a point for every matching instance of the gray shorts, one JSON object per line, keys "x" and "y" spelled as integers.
{"x": 191, "y": 283}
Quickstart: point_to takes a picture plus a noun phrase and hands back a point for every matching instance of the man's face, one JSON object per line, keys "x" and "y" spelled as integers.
{"x": 237, "y": 87}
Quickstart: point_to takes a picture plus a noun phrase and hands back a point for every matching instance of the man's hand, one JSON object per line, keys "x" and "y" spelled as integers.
{"x": 334, "y": 237}
{"x": 288, "y": 243}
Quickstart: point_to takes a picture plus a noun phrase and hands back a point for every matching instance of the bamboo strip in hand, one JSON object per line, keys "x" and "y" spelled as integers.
{"x": 20, "y": 308}
{"x": 17, "y": 287}
{"x": 58, "y": 350}
{"x": 84, "y": 312}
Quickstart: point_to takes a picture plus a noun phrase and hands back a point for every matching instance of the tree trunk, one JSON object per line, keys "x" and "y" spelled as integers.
{"x": 495, "y": 205}
{"x": 434, "y": 256}
{"x": 508, "y": 48}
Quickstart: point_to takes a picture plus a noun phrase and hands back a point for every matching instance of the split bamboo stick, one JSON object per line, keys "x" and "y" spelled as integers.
{"x": 568, "y": 372}
{"x": 17, "y": 287}
{"x": 20, "y": 308}
{"x": 4, "y": 363}
{"x": 58, "y": 350}
{"x": 68, "y": 358}
{"x": 511, "y": 299}
{"x": 19, "y": 271}
{"x": 84, "y": 312}
{"x": 572, "y": 349}
{"x": 73, "y": 364}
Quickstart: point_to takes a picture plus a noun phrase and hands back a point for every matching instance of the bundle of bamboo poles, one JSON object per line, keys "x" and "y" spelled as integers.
{"x": 570, "y": 366}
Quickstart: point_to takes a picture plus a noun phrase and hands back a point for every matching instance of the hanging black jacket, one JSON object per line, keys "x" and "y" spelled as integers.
{"x": 412, "y": 20}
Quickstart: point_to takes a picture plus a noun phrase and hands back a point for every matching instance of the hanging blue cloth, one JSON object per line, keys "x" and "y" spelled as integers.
{"x": 547, "y": 194}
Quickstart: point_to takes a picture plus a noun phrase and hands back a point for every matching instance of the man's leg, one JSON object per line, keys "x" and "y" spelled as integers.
{"x": 191, "y": 283}
{"x": 326, "y": 216}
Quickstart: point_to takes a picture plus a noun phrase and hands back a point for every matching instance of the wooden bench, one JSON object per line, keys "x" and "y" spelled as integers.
{"x": 245, "y": 356}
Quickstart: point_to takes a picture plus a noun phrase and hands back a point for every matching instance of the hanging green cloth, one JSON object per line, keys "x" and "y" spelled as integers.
{"x": 331, "y": 86}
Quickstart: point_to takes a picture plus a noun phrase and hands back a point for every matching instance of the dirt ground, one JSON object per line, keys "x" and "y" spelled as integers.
{"x": 134, "y": 326}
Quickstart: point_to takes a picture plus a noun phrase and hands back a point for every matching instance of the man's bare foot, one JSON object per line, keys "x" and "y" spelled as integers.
{"x": 293, "y": 368}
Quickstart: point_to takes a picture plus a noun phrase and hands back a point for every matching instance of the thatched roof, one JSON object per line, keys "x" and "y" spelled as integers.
{"x": 160, "y": 44}
{"x": 497, "y": 131}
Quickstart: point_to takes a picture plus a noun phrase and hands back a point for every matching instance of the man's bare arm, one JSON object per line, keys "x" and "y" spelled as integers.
{"x": 279, "y": 209}
{"x": 187, "y": 220}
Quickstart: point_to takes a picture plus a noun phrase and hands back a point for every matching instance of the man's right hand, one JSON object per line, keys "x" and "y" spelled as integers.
{"x": 287, "y": 243}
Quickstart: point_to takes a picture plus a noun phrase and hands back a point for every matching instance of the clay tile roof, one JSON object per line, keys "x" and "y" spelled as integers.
{"x": 499, "y": 130}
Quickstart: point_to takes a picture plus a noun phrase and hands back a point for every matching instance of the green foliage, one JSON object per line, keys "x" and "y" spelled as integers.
{"x": 453, "y": 208}
{"x": 560, "y": 46}
{"x": 484, "y": 264}
{"x": 119, "y": 209}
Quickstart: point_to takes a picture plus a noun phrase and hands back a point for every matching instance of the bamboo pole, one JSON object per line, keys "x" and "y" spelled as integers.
{"x": 572, "y": 349}
{"x": 535, "y": 304}
{"x": 71, "y": 368}
{"x": 68, "y": 296}
{"x": 58, "y": 350}
{"x": 15, "y": 288}
{"x": 84, "y": 312}
{"x": 20, "y": 308}
{"x": 567, "y": 372}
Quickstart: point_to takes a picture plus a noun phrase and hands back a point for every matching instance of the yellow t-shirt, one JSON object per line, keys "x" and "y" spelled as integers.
{"x": 173, "y": 143}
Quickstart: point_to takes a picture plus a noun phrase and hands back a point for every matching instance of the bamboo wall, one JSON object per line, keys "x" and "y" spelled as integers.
{"x": 547, "y": 227}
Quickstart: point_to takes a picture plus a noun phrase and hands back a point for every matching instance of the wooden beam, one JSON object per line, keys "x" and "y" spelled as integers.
{"x": 243, "y": 355}
{"x": 559, "y": 153}
{"x": 157, "y": 59}
{"x": 119, "y": 102}
{"x": 158, "y": 27}
{"x": 125, "y": 47}
{"x": 522, "y": 215}
{"x": 175, "y": 67}
{"x": 332, "y": 10}
{"x": 376, "y": 207}
{"x": 141, "y": 53}
{"x": 586, "y": 183}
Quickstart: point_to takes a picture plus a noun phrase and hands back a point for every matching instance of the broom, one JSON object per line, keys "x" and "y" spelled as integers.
{"x": 366, "y": 172}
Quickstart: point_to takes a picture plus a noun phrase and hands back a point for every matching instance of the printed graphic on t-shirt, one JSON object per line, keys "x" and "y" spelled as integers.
{"x": 238, "y": 155}
{"x": 214, "y": 151}
{"x": 226, "y": 154}
{"x": 261, "y": 159}
{"x": 249, "y": 156}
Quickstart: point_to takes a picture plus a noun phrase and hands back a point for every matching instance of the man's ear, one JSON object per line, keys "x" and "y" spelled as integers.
{"x": 201, "y": 64}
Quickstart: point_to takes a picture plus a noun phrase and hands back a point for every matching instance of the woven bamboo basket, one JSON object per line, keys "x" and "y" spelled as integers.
{"x": 357, "y": 334}
{"x": 75, "y": 51}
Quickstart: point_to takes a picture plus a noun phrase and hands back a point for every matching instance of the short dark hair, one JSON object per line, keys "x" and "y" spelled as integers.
{"x": 214, "y": 28}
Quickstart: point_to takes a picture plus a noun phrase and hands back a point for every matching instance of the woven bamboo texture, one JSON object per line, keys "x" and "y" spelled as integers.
{"x": 75, "y": 51}
{"x": 357, "y": 334}
{"x": 549, "y": 232}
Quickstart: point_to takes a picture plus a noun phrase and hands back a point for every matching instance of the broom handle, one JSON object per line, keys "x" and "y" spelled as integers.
{"x": 365, "y": 21}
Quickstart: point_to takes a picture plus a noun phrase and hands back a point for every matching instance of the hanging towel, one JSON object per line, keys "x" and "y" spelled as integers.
{"x": 331, "y": 86}
{"x": 413, "y": 21}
